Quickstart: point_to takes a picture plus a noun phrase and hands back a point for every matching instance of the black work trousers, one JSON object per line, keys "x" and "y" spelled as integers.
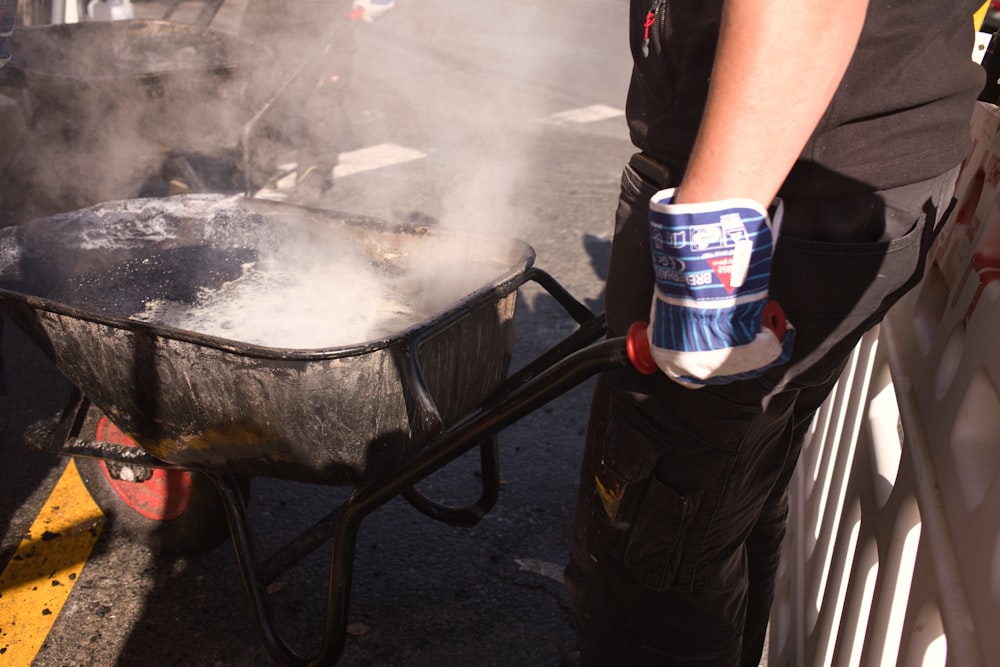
{"x": 682, "y": 502}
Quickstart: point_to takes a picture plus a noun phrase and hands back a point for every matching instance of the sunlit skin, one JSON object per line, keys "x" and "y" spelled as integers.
{"x": 778, "y": 65}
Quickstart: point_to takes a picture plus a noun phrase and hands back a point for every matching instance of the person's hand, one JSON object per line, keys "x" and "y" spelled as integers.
{"x": 710, "y": 320}
{"x": 369, "y": 10}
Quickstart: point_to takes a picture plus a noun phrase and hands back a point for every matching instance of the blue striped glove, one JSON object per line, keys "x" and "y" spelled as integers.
{"x": 710, "y": 320}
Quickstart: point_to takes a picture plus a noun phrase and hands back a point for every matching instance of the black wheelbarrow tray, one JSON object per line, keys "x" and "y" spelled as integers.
{"x": 378, "y": 416}
{"x": 185, "y": 86}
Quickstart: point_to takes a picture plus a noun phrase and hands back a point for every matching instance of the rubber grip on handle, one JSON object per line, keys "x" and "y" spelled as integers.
{"x": 637, "y": 345}
{"x": 773, "y": 318}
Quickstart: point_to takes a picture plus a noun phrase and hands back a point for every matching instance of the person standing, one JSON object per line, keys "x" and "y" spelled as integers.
{"x": 313, "y": 45}
{"x": 796, "y": 159}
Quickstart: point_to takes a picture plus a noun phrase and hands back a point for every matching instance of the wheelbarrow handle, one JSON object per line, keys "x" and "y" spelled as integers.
{"x": 529, "y": 392}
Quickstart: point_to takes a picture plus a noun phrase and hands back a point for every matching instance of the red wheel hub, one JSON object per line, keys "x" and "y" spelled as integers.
{"x": 164, "y": 496}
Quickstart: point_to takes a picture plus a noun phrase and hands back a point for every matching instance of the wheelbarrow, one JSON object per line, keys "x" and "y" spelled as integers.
{"x": 109, "y": 105}
{"x": 105, "y": 293}
{"x": 118, "y": 109}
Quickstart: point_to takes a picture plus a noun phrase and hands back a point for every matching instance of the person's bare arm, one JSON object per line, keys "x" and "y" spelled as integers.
{"x": 778, "y": 64}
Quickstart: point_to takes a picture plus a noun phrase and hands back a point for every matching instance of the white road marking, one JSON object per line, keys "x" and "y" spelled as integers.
{"x": 544, "y": 568}
{"x": 589, "y": 114}
{"x": 348, "y": 163}
{"x": 374, "y": 157}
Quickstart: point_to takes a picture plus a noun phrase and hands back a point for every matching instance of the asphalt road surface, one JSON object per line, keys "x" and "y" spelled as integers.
{"x": 506, "y": 118}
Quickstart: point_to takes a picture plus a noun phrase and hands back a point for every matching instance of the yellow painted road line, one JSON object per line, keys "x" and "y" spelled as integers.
{"x": 980, "y": 15}
{"x": 36, "y": 583}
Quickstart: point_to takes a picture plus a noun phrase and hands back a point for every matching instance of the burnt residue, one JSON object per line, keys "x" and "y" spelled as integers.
{"x": 112, "y": 259}
{"x": 176, "y": 274}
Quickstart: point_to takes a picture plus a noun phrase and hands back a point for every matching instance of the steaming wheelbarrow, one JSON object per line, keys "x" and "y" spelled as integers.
{"x": 116, "y": 109}
{"x": 182, "y": 85}
{"x": 104, "y": 292}
{"x": 111, "y": 104}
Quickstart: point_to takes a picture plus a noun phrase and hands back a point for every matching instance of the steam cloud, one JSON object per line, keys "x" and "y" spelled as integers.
{"x": 125, "y": 116}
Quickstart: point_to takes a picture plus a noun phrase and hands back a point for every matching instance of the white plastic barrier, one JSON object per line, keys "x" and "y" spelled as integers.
{"x": 893, "y": 551}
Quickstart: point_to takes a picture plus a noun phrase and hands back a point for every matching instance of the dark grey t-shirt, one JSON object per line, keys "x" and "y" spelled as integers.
{"x": 901, "y": 113}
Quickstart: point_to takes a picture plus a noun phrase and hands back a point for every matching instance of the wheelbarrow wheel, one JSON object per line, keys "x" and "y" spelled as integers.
{"x": 173, "y": 512}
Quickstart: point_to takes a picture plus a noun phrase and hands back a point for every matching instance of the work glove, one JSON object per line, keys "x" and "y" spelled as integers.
{"x": 710, "y": 320}
{"x": 369, "y": 10}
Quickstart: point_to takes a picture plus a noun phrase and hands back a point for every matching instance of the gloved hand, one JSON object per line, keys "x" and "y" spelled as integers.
{"x": 370, "y": 10}
{"x": 710, "y": 320}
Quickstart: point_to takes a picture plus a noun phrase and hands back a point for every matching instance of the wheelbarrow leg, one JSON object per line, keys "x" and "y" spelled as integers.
{"x": 476, "y": 429}
{"x": 469, "y": 515}
{"x": 236, "y": 514}
{"x": 345, "y": 535}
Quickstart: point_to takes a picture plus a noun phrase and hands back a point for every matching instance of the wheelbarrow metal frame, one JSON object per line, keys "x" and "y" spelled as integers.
{"x": 562, "y": 367}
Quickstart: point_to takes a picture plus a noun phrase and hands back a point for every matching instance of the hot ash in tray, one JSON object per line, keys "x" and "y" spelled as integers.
{"x": 340, "y": 302}
{"x": 248, "y": 271}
